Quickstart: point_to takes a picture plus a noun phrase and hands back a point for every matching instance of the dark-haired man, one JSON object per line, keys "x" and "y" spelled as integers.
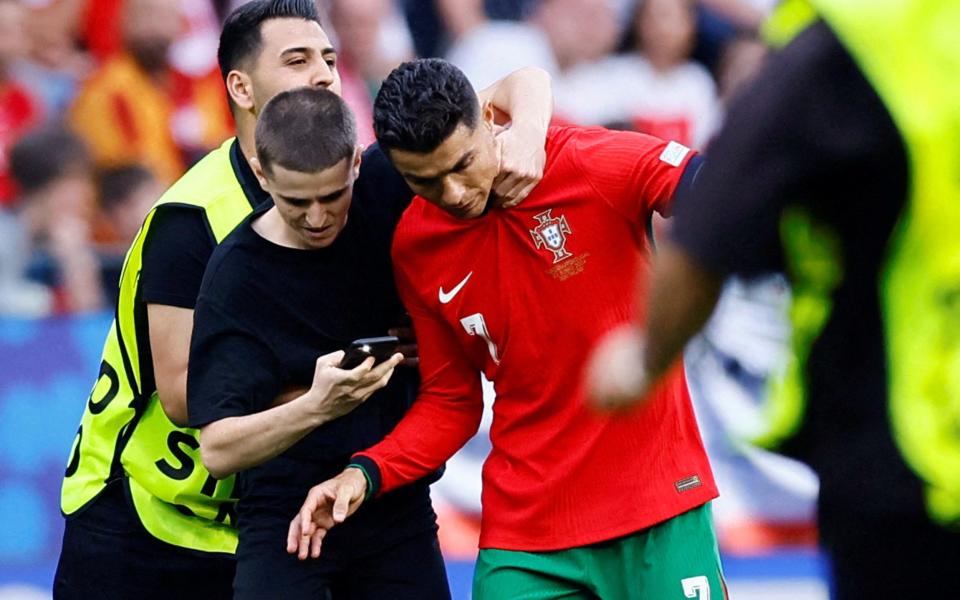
{"x": 144, "y": 517}
{"x": 575, "y": 504}
{"x": 319, "y": 258}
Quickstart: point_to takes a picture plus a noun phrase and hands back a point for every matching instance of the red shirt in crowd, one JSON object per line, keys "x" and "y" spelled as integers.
{"x": 18, "y": 112}
{"x": 522, "y": 295}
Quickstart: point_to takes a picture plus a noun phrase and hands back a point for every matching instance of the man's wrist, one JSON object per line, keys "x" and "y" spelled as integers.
{"x": 314, "y": 408}
{"x": 371, "y": 472}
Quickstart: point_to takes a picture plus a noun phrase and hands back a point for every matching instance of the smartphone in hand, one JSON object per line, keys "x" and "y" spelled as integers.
{"x": 380, "y": 348}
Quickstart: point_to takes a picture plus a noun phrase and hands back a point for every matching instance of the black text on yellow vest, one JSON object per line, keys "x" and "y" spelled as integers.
{"x": 177, "y": 500}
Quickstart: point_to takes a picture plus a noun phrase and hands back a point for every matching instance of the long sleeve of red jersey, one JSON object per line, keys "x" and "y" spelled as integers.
{"x": 444, "y": 417}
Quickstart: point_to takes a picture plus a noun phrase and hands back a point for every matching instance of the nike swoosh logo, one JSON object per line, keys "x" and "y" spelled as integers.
{"x": 446, "y": 297}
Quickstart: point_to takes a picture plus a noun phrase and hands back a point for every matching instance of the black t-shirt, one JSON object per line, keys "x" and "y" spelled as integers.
{"x": 264, "y": 315}
{"x": 811, "y": 131}
{"x": 180, "y": 242}
{"x": 175, "y": 254}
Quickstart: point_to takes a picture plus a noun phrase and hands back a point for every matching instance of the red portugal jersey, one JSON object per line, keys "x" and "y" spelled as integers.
{"x": 523, "y": 295}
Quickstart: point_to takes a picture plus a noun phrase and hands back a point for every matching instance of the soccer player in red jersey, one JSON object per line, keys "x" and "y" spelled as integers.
{"x": 575, "y": 503}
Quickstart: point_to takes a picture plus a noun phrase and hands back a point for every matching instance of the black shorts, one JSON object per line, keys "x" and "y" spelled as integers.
{"x": 388, "y": 549}
{"x": 881, "y": 557}
{"x": 108, "y": 555}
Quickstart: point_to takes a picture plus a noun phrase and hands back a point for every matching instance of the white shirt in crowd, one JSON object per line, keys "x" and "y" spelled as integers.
{"x": 677, "y": 105}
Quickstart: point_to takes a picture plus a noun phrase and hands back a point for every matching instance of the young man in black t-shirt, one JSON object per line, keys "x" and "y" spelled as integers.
{"x": 294, "y": 282}
{"x": 266, "y": 46}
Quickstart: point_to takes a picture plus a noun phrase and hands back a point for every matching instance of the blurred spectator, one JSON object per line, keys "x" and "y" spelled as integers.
{"x": 100, "y": 30}
{"x": 580, "y": 32}
{"x": 52, "y": 168}
{"x": 376, "y": 41}
{"x": 558, "y": 36}
{"x": 495, "y": 48}
{"x": 18, "y": 110}
{"x": 743, "y": 15}
{"x": 54, "y": 65}
{"x": 137, "y": 108}
{"x": 435, "y": 24}
{"x": 679, "y": 99}
{"x": 658, "y": 89}
{"x": 194, "y": 52}
{"x": 126, "y": 194}
{"x": 719, "y": 21}
{"x": 100, "y": 27}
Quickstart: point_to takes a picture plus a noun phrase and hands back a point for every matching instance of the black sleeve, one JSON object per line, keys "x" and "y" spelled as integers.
{"x": 802, "y": 132}
{"x": 175, "y": 255}
{"x": 232, "y": 371}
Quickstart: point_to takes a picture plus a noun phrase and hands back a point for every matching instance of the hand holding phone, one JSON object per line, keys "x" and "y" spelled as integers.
{"x": 336, "y": 390}
{"x": 380, "y": 348}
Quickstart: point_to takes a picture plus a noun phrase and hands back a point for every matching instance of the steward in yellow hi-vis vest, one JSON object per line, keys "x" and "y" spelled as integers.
{"x": 124, "y": 432}
{"x": 908, "y": 54}
{"x": 840, "y": 165}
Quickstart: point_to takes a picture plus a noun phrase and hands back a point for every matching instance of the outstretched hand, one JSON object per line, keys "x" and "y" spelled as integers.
{"x": 327, "y": 504}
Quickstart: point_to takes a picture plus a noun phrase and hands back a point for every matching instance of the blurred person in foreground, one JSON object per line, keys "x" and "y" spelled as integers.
{"x": 574, "y": 504}
{"x": 319, "y": 257}
{"x": 839, "y": 167}
{"x": 19, "y": 110}
{"x": 137, "y": 108}
{"x": 144, "y": 517}
{"x": 768, "y": 499}
{"x": 46, "y": 237}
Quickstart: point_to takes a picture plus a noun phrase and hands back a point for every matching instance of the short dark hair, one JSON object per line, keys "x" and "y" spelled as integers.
{"x": 44, "y": 155}
{"x": 421, "y": 103}
{"x": 241, "y": 39}
{"x": 117, "y": 184}
{"x": 305, "y": 130}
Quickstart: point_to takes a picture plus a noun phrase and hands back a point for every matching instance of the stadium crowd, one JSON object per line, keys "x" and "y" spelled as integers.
{"x": 103, "y": 103}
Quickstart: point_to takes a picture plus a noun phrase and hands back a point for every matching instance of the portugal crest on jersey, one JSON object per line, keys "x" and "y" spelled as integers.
{"x": 551, "y": 233}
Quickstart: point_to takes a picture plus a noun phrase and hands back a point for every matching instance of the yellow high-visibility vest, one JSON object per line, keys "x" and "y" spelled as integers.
{"x": 124, "y": 430}
{"x": 909, "y": 51}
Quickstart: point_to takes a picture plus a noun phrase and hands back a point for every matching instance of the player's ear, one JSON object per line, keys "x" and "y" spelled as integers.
{"x": 357, "y": 159}
{"x": 258, "y": 171}
{"x": 240, "y": 89}
{"x": 488, "y": 113}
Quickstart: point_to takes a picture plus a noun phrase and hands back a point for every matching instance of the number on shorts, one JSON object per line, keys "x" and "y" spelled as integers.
{"x": 696, "y": 587}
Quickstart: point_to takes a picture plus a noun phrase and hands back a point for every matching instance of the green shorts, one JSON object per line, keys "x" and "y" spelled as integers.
{"x": 674, "y": 559}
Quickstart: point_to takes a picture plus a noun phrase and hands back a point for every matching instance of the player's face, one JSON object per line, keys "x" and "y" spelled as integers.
{"x": 313, "y": 206}
{"x": 459, "y": 174}
{"x": 294, "y": 53}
